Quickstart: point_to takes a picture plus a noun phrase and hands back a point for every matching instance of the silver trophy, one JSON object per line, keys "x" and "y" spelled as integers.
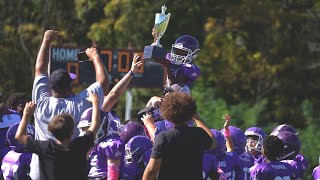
{"x": 160, "y": 25}
{"x": 155, "y": 52}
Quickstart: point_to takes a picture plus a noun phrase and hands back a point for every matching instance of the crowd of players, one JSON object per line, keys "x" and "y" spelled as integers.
{"x": 122, "y": 150}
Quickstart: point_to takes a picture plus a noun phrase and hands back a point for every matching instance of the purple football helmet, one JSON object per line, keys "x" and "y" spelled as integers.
{"x": 254, "y": 144}
{"x": 283, "y": 127}
{"x": 135, "y": 148}
{"x": 221, "y": 143}
{"x": 108, "y": 127}
{"x": 239, "y": 139}
{"x": 292, "y": 144}
{"x": 184, "y": 50}
{"x": 130, "y": 130}
{"x": 11, "y": 133}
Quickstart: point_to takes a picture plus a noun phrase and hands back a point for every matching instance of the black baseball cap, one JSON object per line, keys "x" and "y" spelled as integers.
{"x": 60, "y": 79}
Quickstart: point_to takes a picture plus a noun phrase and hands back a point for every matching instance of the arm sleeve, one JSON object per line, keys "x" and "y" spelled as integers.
{"x": 204, "y": 139}
{"x": 83, "y": 143}
{"x": 159, "y": 147}
{"x": 40, "y": 88}
{"x": 35, "y": 146}
{"x": 94, "y": 88}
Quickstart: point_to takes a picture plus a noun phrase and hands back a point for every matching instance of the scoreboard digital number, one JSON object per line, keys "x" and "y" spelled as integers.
{"x": 117, "y": 63}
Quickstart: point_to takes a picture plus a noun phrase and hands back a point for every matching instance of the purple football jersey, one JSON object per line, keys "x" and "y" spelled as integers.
{"x": 110, "y": 148}
{"x": 209, "y": 163}
{"x": 302, "y": 161}
{"x": 16, "y": 165}
{"x": 316, "y": 173}
{"x": 272, "y": 170}
{"x": 131, "y": 171}
{"x": 298, "y": 169}
{"x": 245, "y": 162}
{"x": 229, "y": 164}
{"x": 259, "y": 159}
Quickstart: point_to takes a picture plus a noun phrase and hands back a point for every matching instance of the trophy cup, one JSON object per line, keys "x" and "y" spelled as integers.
{"x": 155, "y": 50}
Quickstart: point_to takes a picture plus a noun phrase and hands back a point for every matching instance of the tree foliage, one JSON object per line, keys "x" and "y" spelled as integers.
{"x": 259, "y": 59}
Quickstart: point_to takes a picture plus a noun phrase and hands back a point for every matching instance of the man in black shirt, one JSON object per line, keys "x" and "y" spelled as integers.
{"x": 177, "y": 152}
{"x": 61, "y": 158}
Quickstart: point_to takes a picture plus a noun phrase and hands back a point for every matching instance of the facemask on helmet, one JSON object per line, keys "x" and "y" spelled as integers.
{"x": 184, "y": 50}
{"x": 255, "y": 136}
{"x": 108, "y": 126}
{"x": 292, "y": 145}
{"x": 11, "y": 133}
{"x": 135, "y": 149}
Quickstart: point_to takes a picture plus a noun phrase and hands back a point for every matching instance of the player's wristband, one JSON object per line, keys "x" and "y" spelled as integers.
{"x": 227, "y": 133}
{"x": 113, "y": 172}
{"x": 131, "y": 73}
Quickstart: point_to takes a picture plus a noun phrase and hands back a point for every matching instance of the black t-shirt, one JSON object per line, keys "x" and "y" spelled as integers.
{"x": 181, "y": 150}
{"x": 59, "y": 163}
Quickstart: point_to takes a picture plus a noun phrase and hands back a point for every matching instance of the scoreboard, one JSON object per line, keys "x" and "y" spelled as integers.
{"x": 117, "y": 63}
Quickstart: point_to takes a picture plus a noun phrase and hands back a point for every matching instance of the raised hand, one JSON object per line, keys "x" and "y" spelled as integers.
{"x": 227, "y": 118}
{"x": 155, "y": 102}
{"x": 93, "y": 98}
{"x": 50, "y": 35}
{"x": 92, "y": 53}
{"x": 136, "y": 63}
{"x": 29, "y": 108}
{"x": 147, "y": 119}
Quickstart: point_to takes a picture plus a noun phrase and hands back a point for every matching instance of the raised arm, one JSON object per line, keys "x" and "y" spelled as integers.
{"x": 148, "y": 122}
{"x": 95, "y": 118}
{"x": 101, "y": 72}
{"x": 121, "y": 86}
{"x": 196, "y": 118}
{"x": 21, "y": 134}
{"x": 227, "y": 135}
{"x": 42, "y": 61}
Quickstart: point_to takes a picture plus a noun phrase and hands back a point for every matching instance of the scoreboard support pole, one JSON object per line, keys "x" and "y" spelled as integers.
{"x": 128, "y": 105}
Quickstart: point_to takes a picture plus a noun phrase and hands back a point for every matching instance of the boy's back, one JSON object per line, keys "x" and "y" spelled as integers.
{"x": 57, "y": 162}
{"x": 272, "y": 170}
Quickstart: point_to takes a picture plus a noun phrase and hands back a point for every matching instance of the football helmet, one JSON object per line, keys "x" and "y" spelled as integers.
{"x": 130, "y": 130}
{"x": 221, "y": 143}
{"x": 292, "y": 145}
{"x": 109, "y": 126}
{"x": 254, "y": 144}
{"x": 283, "y": 127}
{"x": 11, "y": 133}
{"x": 239, "y": 139}
{"x": 184, "y": 50}
{"x": 135, "y": 149}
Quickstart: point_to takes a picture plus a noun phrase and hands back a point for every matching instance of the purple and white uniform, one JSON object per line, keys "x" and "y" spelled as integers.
{"x": 272, "y": 171}
{"x": 259, "y": 159}
{"x": 298, "y": 169}
{"x": 316, "y": 173}
{"x": 246, "y": 162}
{"x": 16, "y": 165}
{"x": 302, "y": 161}
{"x": 209, "y": 164}
{"x": 229, "y": 164}
{"x": 110, "y": 148}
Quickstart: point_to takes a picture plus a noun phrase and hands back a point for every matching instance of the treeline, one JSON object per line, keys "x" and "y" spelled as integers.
{"x": 259, "y": 59}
